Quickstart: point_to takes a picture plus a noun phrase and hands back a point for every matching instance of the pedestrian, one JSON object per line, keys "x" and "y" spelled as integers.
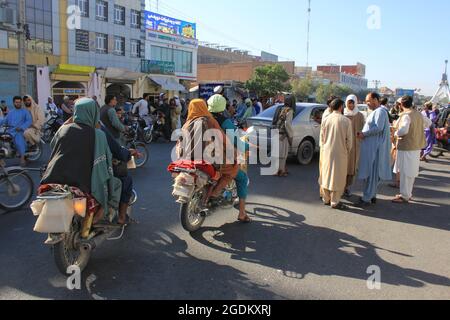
{"x": 175, "y": 113}
{"x": 411, "y": 141}
{"x": 357, "y": 119}
{"x": 430, "y": 133}
{"x": 34, "y": 133}
{"x": 283, "y": 123}
{"x": 109, "y": 118}
{"x": 4, "y": 108}
{"x": 336, "y": 138}
{"x": 374, "y": 164}
{"x": 385, "y": 105}
{"x": 164, "y": 110}
{"x": 241, "y": 109}
{"x": 67, "y": 108}
{"x": 256, "y": 107}
{"x": 395, "y": 111}
{"x": 18, "y": 120}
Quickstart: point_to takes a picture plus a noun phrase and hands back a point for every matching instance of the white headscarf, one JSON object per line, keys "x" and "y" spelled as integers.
{"x": 354, "y": 112}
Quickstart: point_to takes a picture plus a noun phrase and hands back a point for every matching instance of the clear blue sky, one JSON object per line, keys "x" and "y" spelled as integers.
{"x": 408, "y": 50}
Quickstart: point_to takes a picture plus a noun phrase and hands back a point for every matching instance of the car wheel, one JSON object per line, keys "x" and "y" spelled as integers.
{"x": 305, "y": 152}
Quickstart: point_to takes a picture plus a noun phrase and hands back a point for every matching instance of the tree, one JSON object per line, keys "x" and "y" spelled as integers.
{"x": 268, "y": 80}
{"x": 324, "y": 91}
{"x": 303, "y": 88}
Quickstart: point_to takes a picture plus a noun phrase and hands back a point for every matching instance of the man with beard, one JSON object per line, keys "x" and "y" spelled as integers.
{"x": 34, "y": 133}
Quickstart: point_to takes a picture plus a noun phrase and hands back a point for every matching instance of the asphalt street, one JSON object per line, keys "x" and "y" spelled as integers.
{"x": 296, "y": 248}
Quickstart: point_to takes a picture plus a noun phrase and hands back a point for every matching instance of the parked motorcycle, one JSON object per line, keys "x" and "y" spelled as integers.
{"x": 51, "y": 127}
{"x": 194, "y": 182}
{"x": 63, "y": 216}
{"x": 443, "y": 143}
{"x": 133, "y": 142}
{"x": 8, "y": 148}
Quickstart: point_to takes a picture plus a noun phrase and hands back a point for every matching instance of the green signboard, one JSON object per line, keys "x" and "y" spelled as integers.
{"x": 158, "y": 67}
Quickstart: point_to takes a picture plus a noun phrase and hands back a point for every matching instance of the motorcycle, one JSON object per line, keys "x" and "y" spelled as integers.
{"x": 443, "y": 143}
{"x": 145, "y": 133}
{"x": 8, "y": 148}
{"x": 194, "y": 183}
{"x": 16, "y": 187}
{"x": 132, "y": 142}
{"x": 63, "y": 216}
{"x": 51, "y": 127}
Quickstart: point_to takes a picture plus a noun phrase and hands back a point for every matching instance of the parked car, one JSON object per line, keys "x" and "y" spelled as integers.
{"x": 306, "y": 125}
{"x": 364, "y": 109}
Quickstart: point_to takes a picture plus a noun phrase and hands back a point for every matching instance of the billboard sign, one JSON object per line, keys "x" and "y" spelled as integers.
{"x": 157, "y": 22}
{"x": 206, "y": 91}
{"x": 404, "y": 92}
{"x": 158, "y": 67}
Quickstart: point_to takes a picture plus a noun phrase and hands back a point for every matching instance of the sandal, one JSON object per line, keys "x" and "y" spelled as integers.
{"x": 400, "y": 200}
{"x": 340, "y": 206}
{"x": 245, "y": 220}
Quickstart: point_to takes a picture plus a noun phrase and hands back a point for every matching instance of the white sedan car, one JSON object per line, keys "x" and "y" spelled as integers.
{"x": 306, "y": 125}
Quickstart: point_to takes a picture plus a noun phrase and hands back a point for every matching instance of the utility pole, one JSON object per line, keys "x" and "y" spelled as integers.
{"x": 309, "y": 25}
{"x": 377, "y": 84}
{"x": 22, "y": 48}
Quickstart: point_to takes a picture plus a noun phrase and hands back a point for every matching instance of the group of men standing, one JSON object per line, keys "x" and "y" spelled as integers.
{"x": 355, "y": 147}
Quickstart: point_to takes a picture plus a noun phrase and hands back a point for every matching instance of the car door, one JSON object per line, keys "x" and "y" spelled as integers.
{"x": 315, "y": 121}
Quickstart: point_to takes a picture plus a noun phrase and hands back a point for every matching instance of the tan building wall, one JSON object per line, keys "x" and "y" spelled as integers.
{"x": 235, "y": 71}
{"x": 208, "y": 55}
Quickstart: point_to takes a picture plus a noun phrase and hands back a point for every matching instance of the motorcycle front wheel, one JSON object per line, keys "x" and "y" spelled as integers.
{"x": 16, "y": 190}
{"x": 142, "y": 149}
{"x": 148, "y": 136}
{"x": 191, "y": 216}
{"x": 36, "y": 154}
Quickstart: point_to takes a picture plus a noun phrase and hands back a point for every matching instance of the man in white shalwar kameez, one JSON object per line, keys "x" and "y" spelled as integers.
{"x": 411, "y": 140}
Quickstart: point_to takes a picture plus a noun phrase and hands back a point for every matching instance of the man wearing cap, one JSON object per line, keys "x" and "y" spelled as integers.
{"x": 411, "y": 141}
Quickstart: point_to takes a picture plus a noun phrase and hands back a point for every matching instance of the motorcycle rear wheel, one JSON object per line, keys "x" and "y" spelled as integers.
{"x": 191, "y": 217}
{"x": 70, "y": 252}
{"x": 10, "y": 187}
{"x": 437, "y": 153}
{"x": 142, "y": 149}
{"x": 148, "y": 136}
{"x": 36, "y": 155}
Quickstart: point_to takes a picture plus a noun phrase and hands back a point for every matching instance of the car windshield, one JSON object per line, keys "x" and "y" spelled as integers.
{"x": 270, "y": 113}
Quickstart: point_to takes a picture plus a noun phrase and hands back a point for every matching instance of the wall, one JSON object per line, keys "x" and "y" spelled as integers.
{"x": 43, "y": 85}
{"x": 208, "y": 55}
{"x": 236, "y": 71}
{"x": 91, "y": 24}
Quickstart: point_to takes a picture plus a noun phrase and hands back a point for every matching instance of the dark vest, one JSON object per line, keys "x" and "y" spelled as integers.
{"x": 107, "y": 122}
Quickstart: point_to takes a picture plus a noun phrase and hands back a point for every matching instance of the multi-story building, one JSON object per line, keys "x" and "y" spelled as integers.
{"x": 170, "y": 53}
{"x": 43, "y": 48}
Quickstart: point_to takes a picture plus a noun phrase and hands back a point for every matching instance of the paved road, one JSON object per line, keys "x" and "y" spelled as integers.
{"x": 295, "y": 249}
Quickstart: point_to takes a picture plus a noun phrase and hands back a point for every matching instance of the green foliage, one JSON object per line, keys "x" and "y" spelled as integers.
{"x": 269, "y": 80}
{"x": 324, "y": 91}
{"x": 303, "y": 88}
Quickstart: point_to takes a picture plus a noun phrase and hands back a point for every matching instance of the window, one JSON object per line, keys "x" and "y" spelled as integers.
{"x": 135, "y": 19}
{"x": 181, "y": 58}
{"x": 119, "y": 46}
{"x": 101, "y": 43}
{"x": 84, "y": 7}
{"x": 39, "y": 17}
{"x": 119, "y": 15}
{"x": 136, "y": 48}
{"x": 101, "y": 10}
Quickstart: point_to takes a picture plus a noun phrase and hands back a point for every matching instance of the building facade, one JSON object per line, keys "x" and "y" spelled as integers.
{"x": 43, "y": 47}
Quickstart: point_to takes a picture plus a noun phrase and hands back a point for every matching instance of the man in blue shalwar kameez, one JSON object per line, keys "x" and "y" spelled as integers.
{"x": 18, "y": 120}
{"x": 375, "y": 163}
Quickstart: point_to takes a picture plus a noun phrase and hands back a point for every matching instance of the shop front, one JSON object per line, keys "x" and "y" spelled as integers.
{"x": 70, "y": 80}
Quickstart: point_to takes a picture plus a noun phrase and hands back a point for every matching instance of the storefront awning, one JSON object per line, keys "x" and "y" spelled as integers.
{"x": 120, "y": 75}
{"x": 167, "y": 83}
{"x": 72, "y": 69}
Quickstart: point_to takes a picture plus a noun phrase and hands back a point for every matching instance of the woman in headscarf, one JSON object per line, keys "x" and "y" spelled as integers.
{"x": 283, "y": 123}
{"x": 34, "y": 133}
{"x": 81, "y": 159}
{"x": 351, "y": 111}
{"x": 198, "y": 113}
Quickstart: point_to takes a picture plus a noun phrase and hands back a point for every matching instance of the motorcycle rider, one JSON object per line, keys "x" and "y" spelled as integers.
{"x": 50, "y": 107}
{"x": 18, "y": 119}
{"x": 143, "y": 108}
{"x": 34, "y": 133}
{"x": 216, "y": 106}
{"x": 82, "y": 159}
{"x": 110, "y": 119}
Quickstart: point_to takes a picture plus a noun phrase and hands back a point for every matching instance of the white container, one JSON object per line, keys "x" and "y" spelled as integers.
{"x": 131, "y": 165}
{"x": 56, "y": 216}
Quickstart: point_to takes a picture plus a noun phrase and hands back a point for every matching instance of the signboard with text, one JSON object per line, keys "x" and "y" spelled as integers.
{"x": 157, "y": 67}
{"x": 157, "y": 22}
{"x": 404, "y": 92}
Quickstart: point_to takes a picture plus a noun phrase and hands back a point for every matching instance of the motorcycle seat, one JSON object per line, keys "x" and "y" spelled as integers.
{"x": 203, "y": 166}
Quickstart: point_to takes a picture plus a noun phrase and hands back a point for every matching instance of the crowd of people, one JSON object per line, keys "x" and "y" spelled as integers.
{"x": 372, "y": 150}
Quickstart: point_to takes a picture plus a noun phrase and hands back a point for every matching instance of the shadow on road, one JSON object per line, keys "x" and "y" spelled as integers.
{"x": 281, "y": 240}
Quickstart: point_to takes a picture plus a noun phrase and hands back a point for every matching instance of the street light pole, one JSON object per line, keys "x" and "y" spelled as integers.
{"x": 308, "y": 32}
{"x": 21, "y": 37}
